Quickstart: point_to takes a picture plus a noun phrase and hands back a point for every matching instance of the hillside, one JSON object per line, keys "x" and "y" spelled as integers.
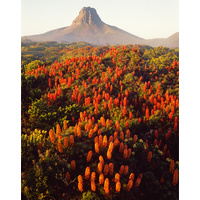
{"x": 171, "y": 42}
{"x": 100, "y": 122}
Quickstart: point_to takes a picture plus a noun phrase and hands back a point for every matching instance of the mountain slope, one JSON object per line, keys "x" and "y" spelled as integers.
{"x": 171, "y": 42}
{"x": 89, "y": 27}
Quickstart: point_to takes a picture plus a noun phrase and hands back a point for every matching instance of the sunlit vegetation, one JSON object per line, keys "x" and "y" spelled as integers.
{"x": 100, "y": 123}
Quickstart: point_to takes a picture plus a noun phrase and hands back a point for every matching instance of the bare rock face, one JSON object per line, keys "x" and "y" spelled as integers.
{"x": 88, "y": 16}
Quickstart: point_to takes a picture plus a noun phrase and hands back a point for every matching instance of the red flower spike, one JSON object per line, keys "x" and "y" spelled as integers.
{"x": 149, "y": 156}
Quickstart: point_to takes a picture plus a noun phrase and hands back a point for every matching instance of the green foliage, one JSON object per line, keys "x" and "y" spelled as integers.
{"x": 27, "y": 58}
{"x": 44, "y": 116}
{"x": 33, "y": 65}
{"x": 32, "y": 87}
{"x": 160, "y": 56}
{"x": 48, "y": 51}
{"x": 51, "y": 53}
{"x": 89, "y": 196}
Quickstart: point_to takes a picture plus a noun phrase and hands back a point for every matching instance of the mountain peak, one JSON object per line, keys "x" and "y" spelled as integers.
{"x": 87, "y": 15}
{"x": 89, "y": 28}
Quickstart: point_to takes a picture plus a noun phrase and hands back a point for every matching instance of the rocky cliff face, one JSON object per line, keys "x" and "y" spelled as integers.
{"x": 88, "y": 16}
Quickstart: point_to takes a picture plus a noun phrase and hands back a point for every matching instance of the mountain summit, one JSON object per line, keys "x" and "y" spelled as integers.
{"x": 88, "y": 16}
{"x": 89, "y": 27}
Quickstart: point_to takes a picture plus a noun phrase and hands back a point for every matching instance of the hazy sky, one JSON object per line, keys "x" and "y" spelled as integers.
{"x": 143, "y": 18}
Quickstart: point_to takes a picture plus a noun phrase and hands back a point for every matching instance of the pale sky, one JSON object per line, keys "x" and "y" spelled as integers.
{"x": 144, "y": 18}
